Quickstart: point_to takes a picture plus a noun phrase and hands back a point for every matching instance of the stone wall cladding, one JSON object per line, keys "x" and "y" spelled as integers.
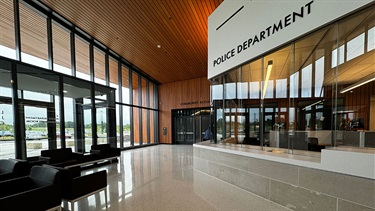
{"x": 294, "y": 187}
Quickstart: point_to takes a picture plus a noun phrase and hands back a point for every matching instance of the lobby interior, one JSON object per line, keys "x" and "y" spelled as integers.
{"x": 290, "y": 129}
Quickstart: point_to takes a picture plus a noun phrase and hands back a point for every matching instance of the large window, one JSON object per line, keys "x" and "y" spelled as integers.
{"x": 152, "y": 97}
{"x": 7, "y": 131}
{"x": 7, "y": 40}
{"x": 125, "y": 85}
{"x": 126, "y": 121}
{"x": 33, "y": 29}
{"x": 135, "y": 88}
{"x": 82, "y": 58}
{"x": 152, "y": 126}
{"x": 99, "y": 67}
{"x": 136, "y": 126}
{"x": 113, "y": 77}
{"x": 61, "y": 49}
{"x": 144, "y": 93}
{"x": 70, "y": 120}
{"x": 145, "y": 125}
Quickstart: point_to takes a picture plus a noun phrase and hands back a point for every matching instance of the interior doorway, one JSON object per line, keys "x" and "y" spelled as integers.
{"x": 184, "y": 130}
{"x": 190, "y": 125}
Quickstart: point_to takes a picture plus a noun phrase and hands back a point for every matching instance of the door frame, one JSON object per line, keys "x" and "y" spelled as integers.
{"x": 187, "y": 113}
{"x": 51, "y": 121}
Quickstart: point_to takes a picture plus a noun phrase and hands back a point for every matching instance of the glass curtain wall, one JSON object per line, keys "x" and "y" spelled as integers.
{"x": 7, "y": 130}
{"x": 50, "y": 43}
{"x": 126, "y": 110}
{"x": 313, "y": 93}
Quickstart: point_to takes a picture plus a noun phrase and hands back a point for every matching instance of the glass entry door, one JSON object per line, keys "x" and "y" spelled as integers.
{"x": 184, "y": 130}
{"x": 202, "y": 125}
{"x": 269, "y": 122}
{"x": 37, "y": 132}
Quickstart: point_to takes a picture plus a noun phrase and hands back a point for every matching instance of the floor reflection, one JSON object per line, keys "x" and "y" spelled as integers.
{"x": 162, "y": 177}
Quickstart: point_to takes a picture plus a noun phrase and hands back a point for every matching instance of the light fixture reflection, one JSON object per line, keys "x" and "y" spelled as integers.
{"x": 309, "y": 106}
{"x": 269, "y": 69}
{"x": 359, "y": 83}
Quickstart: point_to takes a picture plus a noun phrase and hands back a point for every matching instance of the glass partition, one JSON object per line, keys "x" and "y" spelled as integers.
{"x": 313, "y": 93}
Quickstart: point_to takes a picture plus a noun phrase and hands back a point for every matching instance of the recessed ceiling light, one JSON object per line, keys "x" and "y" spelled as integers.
{"x": 159, "y": 46}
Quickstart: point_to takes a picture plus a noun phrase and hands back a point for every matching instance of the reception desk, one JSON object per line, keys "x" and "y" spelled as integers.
{"x": 339, "y": 179}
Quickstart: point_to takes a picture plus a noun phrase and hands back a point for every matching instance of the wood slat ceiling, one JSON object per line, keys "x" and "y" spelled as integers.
{"x": 134, "y": 28}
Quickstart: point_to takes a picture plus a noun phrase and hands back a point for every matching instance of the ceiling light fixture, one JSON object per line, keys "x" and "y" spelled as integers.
{"x": 269, "y": 69}
{"x": 359, "y": 83}
{"x": 159, "y": 46}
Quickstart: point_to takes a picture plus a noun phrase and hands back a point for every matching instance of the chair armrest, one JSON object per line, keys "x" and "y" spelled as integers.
{"x": 116, "y": 150}
{"x": 77, "y": 155}
{"x": 87, "y": 184}
{"x": 40, "y": 198}
{"x": 48, "y": 160}
{"x": 15, "y": 185}
{"x": 95, "y": 151}
{"x": 7, "y": 176}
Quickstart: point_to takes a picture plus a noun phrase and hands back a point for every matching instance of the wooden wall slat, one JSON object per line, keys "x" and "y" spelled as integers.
{"x": 172, "y": 95}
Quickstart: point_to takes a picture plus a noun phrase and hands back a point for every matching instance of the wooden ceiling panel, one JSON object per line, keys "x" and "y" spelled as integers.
{"x": 134, "y": 28}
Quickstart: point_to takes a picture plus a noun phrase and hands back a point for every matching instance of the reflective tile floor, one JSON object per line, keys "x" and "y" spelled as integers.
{"x": 162, "y": 177}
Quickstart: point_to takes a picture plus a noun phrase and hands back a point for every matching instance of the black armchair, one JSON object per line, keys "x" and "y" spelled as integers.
{"x": 103, "y": 151}
{"x": 12, "y": 168}
{"x": 62, "y": 157}
{"x": 38, "y": 191}
{"x": 74, "y": 189}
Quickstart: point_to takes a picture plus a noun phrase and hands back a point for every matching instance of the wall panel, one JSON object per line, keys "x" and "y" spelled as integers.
{"x": 193, "y": 93}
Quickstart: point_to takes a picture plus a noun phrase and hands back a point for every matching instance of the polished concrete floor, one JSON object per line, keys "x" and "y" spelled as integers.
{"x": 162, "y": 177}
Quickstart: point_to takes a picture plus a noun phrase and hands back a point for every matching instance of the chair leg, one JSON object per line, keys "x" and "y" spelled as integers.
{"x": 72, "y": 204}
{"x": 105, "y": 196}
